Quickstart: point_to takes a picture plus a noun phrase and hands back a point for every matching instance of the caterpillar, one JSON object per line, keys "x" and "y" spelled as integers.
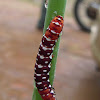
{"x": 44, "y": 57}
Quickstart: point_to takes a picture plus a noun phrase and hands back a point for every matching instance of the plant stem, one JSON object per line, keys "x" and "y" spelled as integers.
{"x": 55, "y": 7}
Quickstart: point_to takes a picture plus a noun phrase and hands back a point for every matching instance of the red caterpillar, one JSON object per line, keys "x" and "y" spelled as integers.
{"x": 44, "y": 57}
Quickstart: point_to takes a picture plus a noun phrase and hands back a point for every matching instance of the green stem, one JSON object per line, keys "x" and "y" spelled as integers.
{"x": 55, "y": 7}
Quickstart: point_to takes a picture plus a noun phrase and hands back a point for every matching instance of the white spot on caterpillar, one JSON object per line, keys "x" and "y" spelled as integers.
{"x": 55, "y": 40}
{"x": 49, "y": 66}
{"x": 34, "y": 77}
{"x": 41, "y": 56}
{"x": 48, "y": 28}
{"x": 50, "y": 86}
{"x": 39, "y": 83}
{"x": 48, "y": 53}
{"x": 39, "y": 66}
{"x": 43, "y": 95}
{"x": 54, "y": 96}
{"x": 45, "y": 87}
{"x": 51, "y": 44}
{"x": 51, "y": 56}
{"x": 52, "y": 48}
{"x": 44, "y": 70}
{"x": 51, "y": 91}
{"x": 60, "y": 25}
{"x": 34, "y": 68}
{"x": 46, "y": 62}
{"x": 38, "y": 74}
{"x": 40, "y": 89}
{"x": 47, "y": 74}
{"x": 48, "y": 39}
{"x": 39, "y": 50}
{"x": 45, "y": 48}
{"x": 52, "y": 31}
{"x": 47, "y": 94}
{"x": 59, "y": 18}
{"x": 48, "y": 80}
{"x": 43, "y": 77}
{"x": 56, "y": 23}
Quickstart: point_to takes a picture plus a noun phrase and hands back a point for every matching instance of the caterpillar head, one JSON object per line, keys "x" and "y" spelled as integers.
{"x": 55, "y": 28}
{"x": 56, "y": 25}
